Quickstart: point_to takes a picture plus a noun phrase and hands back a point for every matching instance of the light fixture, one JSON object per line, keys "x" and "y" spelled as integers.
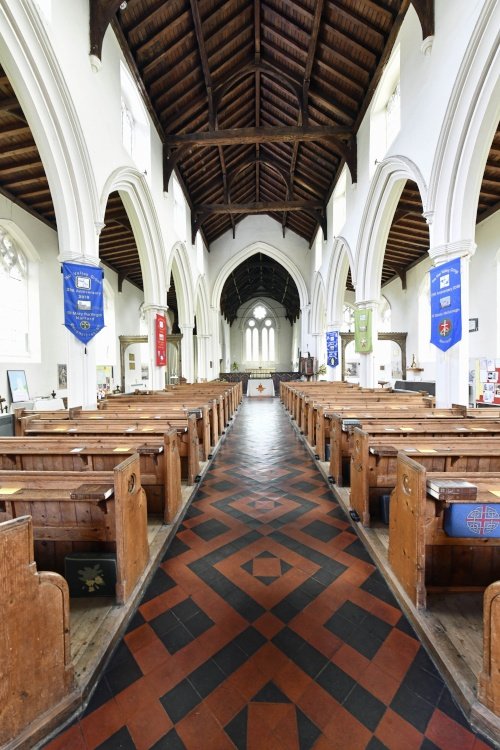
{"x": 123, "y": 5}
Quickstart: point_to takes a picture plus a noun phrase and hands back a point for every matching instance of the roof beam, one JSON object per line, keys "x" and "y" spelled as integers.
{"x": 256, "y": 208}
{"x": 238, "y": 136}
{"x": 101, "y": 13}
{"x": 209, "y": 87}
{"x": 425, "y": 13}
{"x": 303, "y": 117}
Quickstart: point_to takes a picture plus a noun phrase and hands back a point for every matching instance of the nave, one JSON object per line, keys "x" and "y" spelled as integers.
{"x": 267, "y": 627}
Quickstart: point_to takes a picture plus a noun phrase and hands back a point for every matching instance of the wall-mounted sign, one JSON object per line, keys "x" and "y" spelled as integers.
{"x": 332, "y": 348}
{"x": 473, "y": 325}
{"x": 161, "y": 340}
{"x": 363, "y": 331}
{"x": 446, "y": 305}
{"x": 83, "y": 300}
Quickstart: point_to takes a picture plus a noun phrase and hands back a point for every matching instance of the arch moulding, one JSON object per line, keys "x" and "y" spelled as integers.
{"x": 272, "y": 252}
{"x": 385, "y": 191}
{"x": 136, "y": 196}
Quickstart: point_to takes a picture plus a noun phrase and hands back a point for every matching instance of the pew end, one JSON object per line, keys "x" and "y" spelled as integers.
{"x": 489, "y": 678}
{"x": 38, "y": 678}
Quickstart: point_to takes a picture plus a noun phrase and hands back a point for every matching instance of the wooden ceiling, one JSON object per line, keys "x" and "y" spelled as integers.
{"x": 257, "y": 103}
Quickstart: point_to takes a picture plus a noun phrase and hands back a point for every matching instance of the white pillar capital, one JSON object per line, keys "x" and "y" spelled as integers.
{"x": 151, "y": 307}
{"x": 459, "y": 249}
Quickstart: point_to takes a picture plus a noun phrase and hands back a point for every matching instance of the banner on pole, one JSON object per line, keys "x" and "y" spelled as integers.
{"x": 363, "y": 331}
{"x": 83, "y": 300}
{"x": 446, "y": 305}
{"x": 161, "y": 340}
{"x": 332, "y": 348}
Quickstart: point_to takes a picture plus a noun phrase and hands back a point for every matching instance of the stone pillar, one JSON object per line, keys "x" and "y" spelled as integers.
{"x": 187, "y": 352}
{"x": 452, "y": 366}
{"x": 156, "y": 374}
{"x": 81, "y": 358}
{"x": 305, "y": 337}
{"x": 203, "y": 343}
{"x": 367, "y": 365}
{"x": 215, "y": 349}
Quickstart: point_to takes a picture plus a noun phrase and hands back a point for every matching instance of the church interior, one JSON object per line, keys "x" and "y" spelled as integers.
{"x": 250, "y": 290}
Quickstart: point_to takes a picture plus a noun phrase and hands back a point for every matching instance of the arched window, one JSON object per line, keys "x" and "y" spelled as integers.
{"x": 179, "y": 210}
{"x": 348, "y": 318}
{"x": 385, "y": 118}
{"x": 260, "y": 338}
{"x": 339, "y": 203}
{"x": 136, "y": 134}
{"x": 384, "y": 315}
{"x": 19, "y": 330}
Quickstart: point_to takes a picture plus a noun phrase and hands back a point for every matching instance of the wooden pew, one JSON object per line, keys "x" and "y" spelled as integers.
{"x": 374, "y": 462}
{"x": 208, "y": 433}
{"x": 421, "y": 555}
{"x": 394, "y": 422}
{"x": 326, "y": 416}
{"x": 159, "y": 462}
{"x": 37, "y": 676}
{"x": 81, "y": 511}
{"x": 187, "y": 434}
{"x": 489, "y": 678}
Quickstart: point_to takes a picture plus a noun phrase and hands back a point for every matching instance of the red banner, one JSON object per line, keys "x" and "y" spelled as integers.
{"x": 161, "y": 340}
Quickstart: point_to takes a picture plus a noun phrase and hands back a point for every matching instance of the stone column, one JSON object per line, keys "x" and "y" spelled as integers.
{"x": 81, "y": 358}
{"x": 187, "y": 352}
{"x": 452, "y": 366}
{"x": 367, "y": 370}
{"x": 203, "y": 360}
{"x": 156, "y": 374}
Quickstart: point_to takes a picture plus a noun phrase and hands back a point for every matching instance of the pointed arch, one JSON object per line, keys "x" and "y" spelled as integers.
{"x": 273, "y": 252}
{"x": 138, "y": 201}
{"x": 318, "y": 305}
{"x": 386, "y": 188}
{"x": 29, "y": 60}
{"x": 201, "y": 307}
{"x": 178, "y": 266}
{"x": 340, "y": 262}
{"x": 468, "y": 128}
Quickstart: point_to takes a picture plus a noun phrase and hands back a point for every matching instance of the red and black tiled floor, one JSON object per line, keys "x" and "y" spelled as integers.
{"x": 267, "y": 627}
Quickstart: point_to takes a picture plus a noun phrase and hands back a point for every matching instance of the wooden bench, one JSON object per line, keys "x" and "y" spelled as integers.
{"x": 82, "y": 512}
{"x": 37, "y": 676}
{"x": 489, "y": 678}
{"x": 208, "y": 431}
{"x": 393, "y": 422}
{"x": 342, "y": 417}
{"x": 187, "y": 434}
{"x": 159, "y": 462}
{"x": 374, "y": 462}
{"x": 421, "y": 555}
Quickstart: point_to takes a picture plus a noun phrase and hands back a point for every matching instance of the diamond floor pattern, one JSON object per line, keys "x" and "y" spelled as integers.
{"x": 267, "y": 627}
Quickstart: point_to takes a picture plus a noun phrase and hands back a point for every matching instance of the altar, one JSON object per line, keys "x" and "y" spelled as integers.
{"x": 260, "y": 387}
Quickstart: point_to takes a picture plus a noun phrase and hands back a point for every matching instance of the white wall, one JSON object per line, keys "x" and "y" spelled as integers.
{"x": 485, "y": 292}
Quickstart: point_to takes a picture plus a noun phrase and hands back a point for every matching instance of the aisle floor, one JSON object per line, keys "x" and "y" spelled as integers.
{"x": 267, "y": 627}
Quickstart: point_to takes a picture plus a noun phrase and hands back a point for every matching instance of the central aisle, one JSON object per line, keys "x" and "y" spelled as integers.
{"x": 267, "y": 627}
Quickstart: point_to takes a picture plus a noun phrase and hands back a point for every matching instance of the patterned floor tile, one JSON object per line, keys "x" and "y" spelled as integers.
{"x": 268, "y": 625}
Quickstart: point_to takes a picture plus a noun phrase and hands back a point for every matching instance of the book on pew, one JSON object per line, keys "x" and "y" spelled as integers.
{"x": 92, "y": 492}
{"x": 444, "y": 489}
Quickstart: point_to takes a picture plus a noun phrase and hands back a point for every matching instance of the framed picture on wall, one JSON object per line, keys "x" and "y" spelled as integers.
{"x": 62, "y": 376}
{"x": 18, "y": 386}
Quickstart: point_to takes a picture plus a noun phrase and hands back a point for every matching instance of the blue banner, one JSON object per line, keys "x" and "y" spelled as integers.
{"x": 83, "y": 300}
{"x": 332, "y": 348}
{"x": 446, "y": 305}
